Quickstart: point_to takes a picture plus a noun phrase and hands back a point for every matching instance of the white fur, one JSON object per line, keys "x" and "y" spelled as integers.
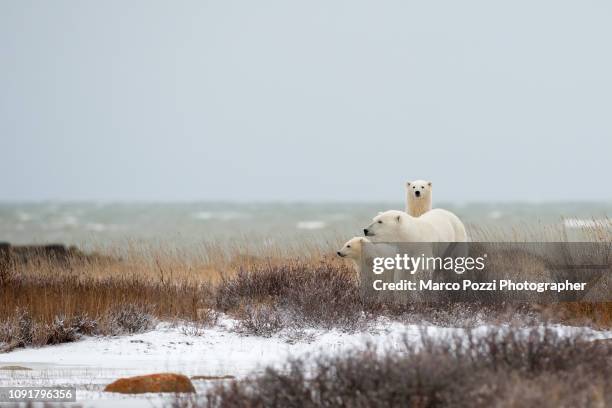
{"x": 417, "y": 205}
{"x": 352, "y": 249}
{"x": 434, "y": 226}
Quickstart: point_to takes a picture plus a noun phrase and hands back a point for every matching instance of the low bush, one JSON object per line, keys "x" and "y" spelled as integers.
{"x": 322, "y": 295}
{"x": 504, "y": 368}
{"x": 129, "y": 319}
{"x": 22, "y": 330}
{"x": 262, "y": 320}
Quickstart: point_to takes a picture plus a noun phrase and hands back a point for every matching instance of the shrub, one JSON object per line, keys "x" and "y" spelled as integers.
{"x": 131, "y": 318}
{"x": 261, "y": 320}
{"x": 22, "y": 330}
{"x": 502, "y": 368}
{"x": 323, "y": 295}
{"x": 61, "y": 331}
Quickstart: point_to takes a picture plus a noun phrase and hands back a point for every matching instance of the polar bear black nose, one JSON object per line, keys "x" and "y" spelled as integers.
{"x": 417, "y": 193}
{"x": 340, "y": 254}
{"x": 365, "y": 231}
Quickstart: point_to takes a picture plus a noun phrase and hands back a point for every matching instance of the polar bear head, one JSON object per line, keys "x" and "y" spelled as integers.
{"x": 419, "y": 190}
{"x": 387, "y": 226}
{"x": 352, "y": 248}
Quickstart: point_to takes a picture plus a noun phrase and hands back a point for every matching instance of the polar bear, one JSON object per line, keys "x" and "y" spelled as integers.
{"x": 418, "y": 197}
{"x": 436, "y": 225}
{"x": 352, "y": 248}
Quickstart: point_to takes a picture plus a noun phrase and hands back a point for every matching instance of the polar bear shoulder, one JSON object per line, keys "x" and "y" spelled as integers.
{"x": 434, "y": 226}
{"x": 448, "y": 224}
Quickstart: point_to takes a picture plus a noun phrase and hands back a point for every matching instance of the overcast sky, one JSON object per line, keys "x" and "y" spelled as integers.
{"x": 311, "y": 100}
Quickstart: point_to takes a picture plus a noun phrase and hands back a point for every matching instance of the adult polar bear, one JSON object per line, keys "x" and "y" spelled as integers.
{"x": 435, "y": 225}
{"x": 418, "y": 197}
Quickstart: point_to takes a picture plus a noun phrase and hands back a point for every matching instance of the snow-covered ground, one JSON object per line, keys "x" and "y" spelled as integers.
{"x": 93, "y": 362}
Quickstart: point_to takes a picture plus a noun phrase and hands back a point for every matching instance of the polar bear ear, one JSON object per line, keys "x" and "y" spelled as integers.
{"x": 408, "y": 183}
{"x": 399, "y": 218}
{"x": 429, "y": 183}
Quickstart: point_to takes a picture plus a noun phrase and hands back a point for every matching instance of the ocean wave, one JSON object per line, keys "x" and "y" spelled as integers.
{"x": 220, "y": 215}
{"x": 59, "y": 223}
{"x": 202, "y": 215}
{"x": 23, "y": 216}
{"x": 495, "y": 215}
{"x": 95, "y": 226}
{"x": 310, "y": 225}
{"x": 100, "y": 227}
{"x": 338, "y": 216}
{"x": 587, "y": 223}
{"x": 69, "y": 220}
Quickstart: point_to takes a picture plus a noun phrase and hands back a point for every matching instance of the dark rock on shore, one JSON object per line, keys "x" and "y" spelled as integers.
{"x": 26, "y": 253}
{"x": 12, "y": 255}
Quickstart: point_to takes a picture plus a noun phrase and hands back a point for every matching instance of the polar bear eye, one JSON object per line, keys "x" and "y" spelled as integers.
{"x": 423, "y": 187}
{"x": 380, "y": 222}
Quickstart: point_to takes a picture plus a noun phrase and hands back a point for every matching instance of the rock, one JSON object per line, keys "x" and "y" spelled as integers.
{"x": 15, "y": 368}
{"x": 26, "y": 253}
{"x": 57, "y": 254}
{"x": 164, "y": 382}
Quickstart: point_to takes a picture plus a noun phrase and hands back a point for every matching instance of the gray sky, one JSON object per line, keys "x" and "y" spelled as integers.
{"x": 312, "y": 100}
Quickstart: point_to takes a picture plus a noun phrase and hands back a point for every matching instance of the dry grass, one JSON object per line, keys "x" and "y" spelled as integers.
{"x": 502, "y": 369}
{"x": 592, "y": 230}
{"x": 268, "y": 290}
{"x": 123, "y": 288}
{"x": 171, "y": 283}
{"x": 118, "y": 295}
{"x": 325, "y": 294}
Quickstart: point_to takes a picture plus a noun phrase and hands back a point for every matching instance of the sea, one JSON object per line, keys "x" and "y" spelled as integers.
{"x": 94, "y": 224}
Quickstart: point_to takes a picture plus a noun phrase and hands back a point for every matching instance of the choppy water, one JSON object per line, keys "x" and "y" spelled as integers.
{"x": 87, "y": 224}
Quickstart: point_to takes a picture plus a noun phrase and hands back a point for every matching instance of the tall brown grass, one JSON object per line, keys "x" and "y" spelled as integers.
{"x": 164, "y": 284}
{"x": 267, "y": 289}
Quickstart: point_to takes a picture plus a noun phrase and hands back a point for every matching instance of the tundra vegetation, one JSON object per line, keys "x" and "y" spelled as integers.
{"x": 50, "y": 299}
{"x": 128, "y": 288}
{"x": 503, "y": 368}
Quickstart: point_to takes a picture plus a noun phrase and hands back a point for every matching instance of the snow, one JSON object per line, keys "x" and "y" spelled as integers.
{"x": 93, "y": 362}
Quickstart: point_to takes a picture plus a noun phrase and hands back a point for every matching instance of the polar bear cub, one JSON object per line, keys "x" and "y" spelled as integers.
{"x": 434, "y": 226}
{"x": 418, "y": 197}
{"x": 353, "y": 250}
